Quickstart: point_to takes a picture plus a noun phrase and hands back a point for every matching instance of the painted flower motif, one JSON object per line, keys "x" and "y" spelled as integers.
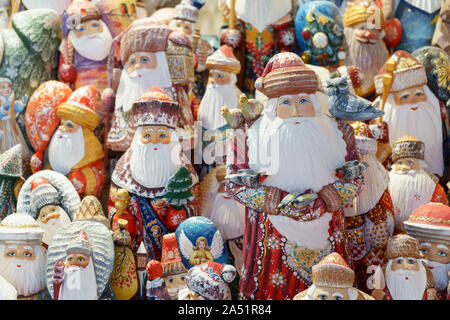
{"x": 442, "y": 70}
{"x": 277, "y": 279}
{"x": 417, "y": 197}
{"x": 11, "y": 72}
{"x": 252, "y": 216}
{"x": 273, "y": 243}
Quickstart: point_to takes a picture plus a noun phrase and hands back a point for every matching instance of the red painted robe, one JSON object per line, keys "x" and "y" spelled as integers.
{"x": 273, "y": 267}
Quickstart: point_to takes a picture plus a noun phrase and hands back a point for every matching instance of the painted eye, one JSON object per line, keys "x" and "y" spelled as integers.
{"x": 145, "y": 60}
{"x": 220, "y": 76}
{"x": 80, "y": 259}
{"x": 95, "y": 25}
{"x": 70, "y": 259}
{"x": 424, "y": 251}
{"x": 147, "y": 136}
{"x": 323, "y": 297}
{"x": 410, "y": 162}
{"x": 303, "y": 101}
{"x": 162, "y": 135}
{"x": 442, "y": 253}
{"x": 11, "y": 254}
{"x": 419, "y": 94}
{"x": 81, "y": 30}
{"x": 405, "y": 97}
{"x": 399, "y": 261}
{"x": 337, "y": 298}
{"x": 342, "y": 85}
{"x": 27, "y": 254}
{"x": 411, "y": 261}
{"x": 170, "y": 280}
{"x": 132, "y": 62}
{"x": 286, "y": 102}
{"x": 182, "y": 278}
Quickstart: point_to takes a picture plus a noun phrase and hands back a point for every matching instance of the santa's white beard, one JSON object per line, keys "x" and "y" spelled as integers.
{"x": 228, "y": 215}
{"x": 376, "y": 180}
{"x": 153, "y": 168}
{"x": 79, "y": 283}
{"x": 29, "y": 279}
{"x": 424, "y": 123}
{"x": 370, "y": 57}
{"x": 296, "y": 157}
{"x": 133, "y": 86}
{"x": 7, "y": 290}
{"x": 440, "y": 274}
{"x": 216, "y": 96}
{"x": 261, "y": 13}
{"x": 401, "y": 288}
{"x": 53, "y": 225}
{"x": 65, "y": 152}
{"x": 93, "y": 46}
{"x": 408, "y": 192}
{"x": 173, "y": 292}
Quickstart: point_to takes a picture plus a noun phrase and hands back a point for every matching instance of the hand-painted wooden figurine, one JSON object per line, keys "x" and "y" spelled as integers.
{"x": 29, "y": 55}
{"x": 257, "y": 29}
{"x": 319, "y": 27}
{"x": 411, "y": 184}
{"x": 227, "y": 214}
{"x": 294, "y": 217}
{"x": 74, "y": 150}
{"x": 441, "y": 36}
{"x": 155, "y": 287}
{"x": 22, "y": 259}
{"x": 200, "y": 241}
{"x": 124, "y": 277}
{"x": 332, "y": 280}
{"x": 174, "y": 272}
{"x": 5, "y": 13}
{"x": 59, "y": 5}
{"x": 411, "y": 109}
{"x": 405, "y": 274}
{"x": 117, "y": 14}
{"x": 81, "y": 252}
{"x": 51, "y": 199}
{"x": 430, "y": 224}
{"x": 10, "y": 180}
{"x": 364, "y": 46}
{"x": 208, "y": 281}
{"x": 155, "y": 171}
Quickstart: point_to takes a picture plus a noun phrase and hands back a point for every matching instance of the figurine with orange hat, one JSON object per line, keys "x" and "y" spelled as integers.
{"x": 174, "y": 271}
{"x": 155, "y": 287}
{"x": 411, "y": 109}
{"x": 332, "y": 280}
{"x": 158, "y": 176}
{"x": 73, "y": 149}
{"x": 430, "y": 224}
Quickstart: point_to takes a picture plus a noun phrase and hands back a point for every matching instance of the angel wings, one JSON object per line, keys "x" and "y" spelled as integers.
{"x": 199, "y": 253}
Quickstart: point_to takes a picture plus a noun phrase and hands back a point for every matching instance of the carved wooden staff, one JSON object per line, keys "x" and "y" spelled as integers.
{"x": 232, "y": 15}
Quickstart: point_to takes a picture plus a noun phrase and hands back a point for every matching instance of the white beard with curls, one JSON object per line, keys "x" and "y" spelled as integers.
{"x": 53, "y": 225}
{"x": 409, "y": 191}
{"x": 79, "y": 283}
{"x": 133, "y": 86}
{"x": 29, "y": 279}
{"x": 424, "y": 123}
{"x": 66, "y": 150}
{"x": 153, "y": 168}
{"x": 217, "y": 96}
{"x": 370, "y": 57}
{"x": 94, "y": 47}
{"x": 406, "y": 284}
{"x": 440, "y": 274}
{"x": 296, "y": 157}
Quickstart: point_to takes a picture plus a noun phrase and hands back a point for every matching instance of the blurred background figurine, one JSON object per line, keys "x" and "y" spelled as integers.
{"x": 11, "y": 180}
{"x": 174, "y": 272}
{"x": 441, "y": 36}
{"x": 155, "y": 287}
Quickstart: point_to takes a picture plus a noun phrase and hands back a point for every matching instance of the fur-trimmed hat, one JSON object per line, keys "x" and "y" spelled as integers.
{"x": 408, "y": 147}
{"x": 286, "y": 73}
{"x": 333, "y": 271}
{"x": 170, "y": 256}
{"x": 20, "y": 228}
{"x": 359, "y": 13}
{"x": 42, "y": 194}
{"x": 210, "y": 280}
{"x": 402, "y": 245}
{"x": 155, "y": 107}
{"x": 223, "y": 59}
{"x": 185, "y": 11}
{"x": 430, "y": 222}
{"x": 83, "y": 10}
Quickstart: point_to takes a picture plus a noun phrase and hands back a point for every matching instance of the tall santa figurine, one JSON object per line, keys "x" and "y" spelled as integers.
{"x": 257, "y": 29}
{"x": 411, "y": 109}
{"x": 411, "y": 184}
{"x": 154, "y": 170}
{"x": 294, "y": 217}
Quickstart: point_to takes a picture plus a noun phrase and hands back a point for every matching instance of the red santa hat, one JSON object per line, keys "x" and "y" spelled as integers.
{"x": 333, "y": 271}
{"x": 155, "y": 107}
{"x": 224, "y": 59}
{"x": 81, "y": 108}
{"x": 42, "y": 194}
{"x": 170, "y": 256}
{"x": 430, "y": 222}
{"x": 82, "y": 9}
{"x": 154, "y": 270}
{"x": 285, "y": 74}
{"x": 210, "y": 280}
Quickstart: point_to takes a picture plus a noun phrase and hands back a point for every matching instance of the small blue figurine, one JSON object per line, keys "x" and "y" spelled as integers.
{"x": 345, "y": 106}
{"x": 7, "y": 97}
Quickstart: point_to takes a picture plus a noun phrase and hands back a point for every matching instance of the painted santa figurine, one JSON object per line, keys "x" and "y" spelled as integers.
{"x": 208, "y": 281}
{"x": 258, "y": 29}
{"x": 365, "y": 46}
{"x": 406, "y": 276}
{"x": 174, "y": 272}
{"x": 441, "y": 36}
{"x": 332, "y": 280}
{"x": 296, "y": 212}
{"x": 10, "y": 180}
{"x": 430, "y": 225}
{"x": 370, "y": 217}
{"x": 155, "y": 287}
{"x": 22, "y": 259}
{"x": 411, "y": 109}
{"x": 154, "y": 170}
{"x": 74, "y": 150}
{"x": 411, "y": 184}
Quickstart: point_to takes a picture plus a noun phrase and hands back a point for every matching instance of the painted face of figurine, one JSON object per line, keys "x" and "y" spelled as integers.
{"x": 20, "y": 252}
{"x": 155, "y": 135}
{"x": 186, "y": 27}
{"x": 5, "y": 89}
{"x": 4, "y": 15}
{"x": 201, "y": 245}
{"x": 92, "y": 39}
{"x": 138, "y": 60}
{"x": 366, "y": 35}
{"x": 188, "y": 294}
{"x": 175, "y": 283}
{"x": 437, "y": 257}
{"x": 330, "y": 293}
{"x": 51, "y": 218}
{"x": 77, "y": 258}
{"x": 68, "y": 126}
{"x": 290, "y": 106}
{"x": 410, "y": 96}
{"x": 219, "y": 77}
{"x": 406, "y": 165}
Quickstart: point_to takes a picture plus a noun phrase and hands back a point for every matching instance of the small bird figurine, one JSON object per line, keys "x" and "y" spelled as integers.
{"x": 251, "y": 109}
{"x": 234, "y": 117}
{"x": 350, "y": 170}
{"x": 246, "y": 177}
{"x": 297, "y": 200}
{"x": 345, "y": 106}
